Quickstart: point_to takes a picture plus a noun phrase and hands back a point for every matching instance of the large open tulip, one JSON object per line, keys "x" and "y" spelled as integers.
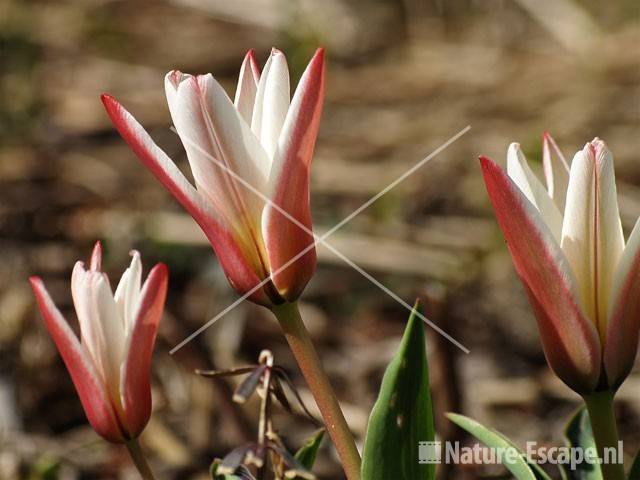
{"x": 568, "y": 248}
{"x": 246, "y": 155}
{"x": 110, "y": 363}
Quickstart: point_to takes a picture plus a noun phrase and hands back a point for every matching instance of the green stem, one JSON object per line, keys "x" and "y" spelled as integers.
{"x": 303, "y": 350}
{"x": 605, "y": 432}
{"x": 139, "y": 460}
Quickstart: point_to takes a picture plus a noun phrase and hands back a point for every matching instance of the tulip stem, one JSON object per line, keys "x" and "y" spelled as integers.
{"x": 139, "y": 460}
{"x": 305, "y": 353}
{"x": 605, "y": 433}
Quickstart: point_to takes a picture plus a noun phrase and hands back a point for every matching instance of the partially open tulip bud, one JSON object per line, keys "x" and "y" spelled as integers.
{"x": 246, "y": 156}
{"x": 110, "y": 363}
{"x": 568, "y": 248}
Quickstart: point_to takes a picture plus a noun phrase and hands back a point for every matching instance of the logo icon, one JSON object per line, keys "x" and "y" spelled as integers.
{"x": 429, "y": 452}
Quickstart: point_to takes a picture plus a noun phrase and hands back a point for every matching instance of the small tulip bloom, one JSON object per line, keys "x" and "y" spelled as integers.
{"x": 110, "y": 363}
{"x": 567, "y": 246}
{"x": 246, "y": 155}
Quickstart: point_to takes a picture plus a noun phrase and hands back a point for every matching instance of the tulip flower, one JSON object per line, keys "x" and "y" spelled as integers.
{"x": 110, "y": 362}
{"x": 568, "y": 248}
{"x": 250, "y": 160}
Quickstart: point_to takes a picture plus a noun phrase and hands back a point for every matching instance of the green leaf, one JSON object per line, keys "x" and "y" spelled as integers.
{"x": 519, "y": 467}
{"x": 307, "y": 453}
{"x": 402, "y": 415}
{"x": 634, "y": 473}
{"x": 578, "y": 434}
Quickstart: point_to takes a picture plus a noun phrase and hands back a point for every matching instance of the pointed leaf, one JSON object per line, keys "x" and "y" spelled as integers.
{"x": 520, "y": 468}
{"x": 307, "y": 453}
{"x": 578, "y": 434}
{"x": 402, "y": 416}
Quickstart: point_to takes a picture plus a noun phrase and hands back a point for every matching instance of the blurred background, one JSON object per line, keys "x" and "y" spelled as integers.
{"x": 403, "y": 76}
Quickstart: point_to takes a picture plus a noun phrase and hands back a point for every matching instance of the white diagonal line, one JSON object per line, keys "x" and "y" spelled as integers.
{"x": 321, "y": 239}
{"x": 242, "y": 298}
{"x": 397, "y": 181}
{"x": 393, "y": 295}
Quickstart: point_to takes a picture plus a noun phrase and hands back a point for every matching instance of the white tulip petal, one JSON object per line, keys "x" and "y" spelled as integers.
{"x": 256, "y": 119}
{"x": 218, "y": 140}
{"x": 239, "y": 148}
{"x": 247, "y": 88}
{"x": 592, "y": 236}
{"x": 81, "y": 295}
{"x": 556, "y": 171}
{"x": 128, "y": 291}
{"x": 519, "y": 171}
{"x": 185, "y": 106}
{"x": 110, "y": 327}
{"x": 275, "y": 103}
{"x": 272, "y": 102}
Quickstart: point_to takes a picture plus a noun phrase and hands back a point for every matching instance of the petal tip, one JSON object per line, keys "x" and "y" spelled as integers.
{"x": 174, "y": 78}
{"x": 111, "y": 105}
{"x": 35, "y": 282}
{"x": 486, "y": 162}
{"x": 106, "y": 98}
{"x": 160, "y": 271}
{"x": 96, "y": 257}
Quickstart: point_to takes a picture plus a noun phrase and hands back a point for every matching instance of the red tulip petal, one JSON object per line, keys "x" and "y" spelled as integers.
{"x": 621, "y": 343}
{"x": 83, "y": 374}
{"x": 135, "y": 386}
{"x": 241, "y": 276}
{"x": 160, "y": 164}
{"x": 570, "y": 340}
{"x": 289, "y": 185}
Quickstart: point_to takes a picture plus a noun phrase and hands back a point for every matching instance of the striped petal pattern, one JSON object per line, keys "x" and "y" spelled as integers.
{"x": 582, "y": 280}
{"x": 110, "y": 363}
{"x": 250, "y": 159}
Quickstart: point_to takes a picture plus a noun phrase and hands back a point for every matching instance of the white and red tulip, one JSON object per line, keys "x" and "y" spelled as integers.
{"x": 110, "y": 363}
{"x": 265, "y": 138}
{"x": 568, "y": 248}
